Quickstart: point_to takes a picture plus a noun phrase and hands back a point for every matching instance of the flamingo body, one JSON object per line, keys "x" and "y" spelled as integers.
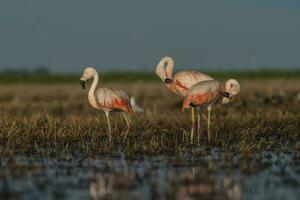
{"x": 181, "y": 82}
{"x": 206, "y": 93}
{"x": 113, "y": 100}
{"x": 106, "y": 99}
{"x": 203, "y": 93}
{"x": 184, "y": 80}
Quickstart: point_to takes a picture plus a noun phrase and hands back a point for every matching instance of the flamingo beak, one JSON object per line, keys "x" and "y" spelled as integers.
{"x": 82, "y": 83}
{"x": 226, "y": 94}
{"x": 168, "y": 80}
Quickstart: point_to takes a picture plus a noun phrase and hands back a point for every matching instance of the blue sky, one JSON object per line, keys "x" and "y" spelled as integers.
{"x": 68, "y": 35}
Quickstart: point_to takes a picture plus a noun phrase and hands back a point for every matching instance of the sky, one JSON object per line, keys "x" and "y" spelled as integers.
{"x": 68, "y": 35}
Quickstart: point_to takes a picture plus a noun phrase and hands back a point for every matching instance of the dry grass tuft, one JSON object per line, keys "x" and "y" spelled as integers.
{"x": 50, "y": 119}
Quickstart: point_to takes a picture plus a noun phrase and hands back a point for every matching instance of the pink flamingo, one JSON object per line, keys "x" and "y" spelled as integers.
{"x": 107, "y": 99}
{"x": 206, "y": 93}
{"x": 180, "y": 83}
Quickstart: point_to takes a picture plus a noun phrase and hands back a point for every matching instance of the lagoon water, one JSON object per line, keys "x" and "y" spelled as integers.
{"x": 213, "y": 175}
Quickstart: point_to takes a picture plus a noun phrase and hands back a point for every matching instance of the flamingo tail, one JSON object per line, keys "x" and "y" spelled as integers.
{"x": 136, "y": 108}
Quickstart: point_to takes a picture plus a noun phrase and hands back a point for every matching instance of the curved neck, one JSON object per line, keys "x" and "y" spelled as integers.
{"x": 93, "y": 86}
{"x": 170, "y": 66}
{"x": 222, "y": 87}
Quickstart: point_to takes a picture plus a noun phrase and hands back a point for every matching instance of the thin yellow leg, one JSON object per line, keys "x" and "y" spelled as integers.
{"x": 109, "y": 127}
{"x": 128, "y": 126}
{"x": 193, "y": 125}
{"x": 199, "y": 123}
{"x": 208, "y": 123}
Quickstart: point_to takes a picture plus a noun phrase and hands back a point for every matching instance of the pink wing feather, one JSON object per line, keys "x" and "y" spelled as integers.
{"x": 184, "y": 80}
{"x": 202, "y": 93}
{"x": 113, "y": 99}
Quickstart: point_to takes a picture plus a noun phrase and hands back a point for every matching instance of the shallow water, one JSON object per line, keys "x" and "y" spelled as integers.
{"x": 215, "y": 175}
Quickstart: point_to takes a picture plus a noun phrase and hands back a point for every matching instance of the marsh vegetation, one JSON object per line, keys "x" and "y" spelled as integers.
{"x": 56, "y": 118}
{"x": 50, "y": 130}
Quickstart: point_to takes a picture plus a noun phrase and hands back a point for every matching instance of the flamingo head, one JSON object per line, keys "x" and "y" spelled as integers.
{"x": 163, "y": 71}
{"x": 232, "y": 88}
{"x": 88, "y": 73}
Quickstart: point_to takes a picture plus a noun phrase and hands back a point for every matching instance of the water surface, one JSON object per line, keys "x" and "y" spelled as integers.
{"x": 213, "y": 175}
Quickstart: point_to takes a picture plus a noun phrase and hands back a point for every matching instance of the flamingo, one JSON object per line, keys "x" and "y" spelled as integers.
{"x": 206, "y": 93}
{"x": 180, "y": 83}
{"x": 107, "y": 99}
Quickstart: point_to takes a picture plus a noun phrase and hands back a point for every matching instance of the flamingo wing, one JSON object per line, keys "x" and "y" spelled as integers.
{"x": 184, "y": 80}
{"x": 113, "y": 99}
{"x": 202, "y": 93}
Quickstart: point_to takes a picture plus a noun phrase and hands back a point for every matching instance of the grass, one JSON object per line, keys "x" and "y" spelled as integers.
{"x": 56, "y": 118}
{"x": 49, "y": 78}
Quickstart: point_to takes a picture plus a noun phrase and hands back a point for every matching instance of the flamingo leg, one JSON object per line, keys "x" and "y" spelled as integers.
{"x": 128, "y": 126}
{"x": 208, "y": 122}
{"x": 193, "y": 124}
{"x": 109, "y": 127}
{"x": 199, "y": 123}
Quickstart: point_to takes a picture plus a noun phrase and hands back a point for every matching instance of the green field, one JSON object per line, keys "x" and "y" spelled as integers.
{"x": 46, "y": 77}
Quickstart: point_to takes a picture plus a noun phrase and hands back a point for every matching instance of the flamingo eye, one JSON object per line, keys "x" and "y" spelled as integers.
{"x": 165, "y": 64}
{"x": 231, "y": 85}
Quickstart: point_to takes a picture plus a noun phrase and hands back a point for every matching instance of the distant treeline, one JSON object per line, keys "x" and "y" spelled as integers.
{"x": 44, "y": 76}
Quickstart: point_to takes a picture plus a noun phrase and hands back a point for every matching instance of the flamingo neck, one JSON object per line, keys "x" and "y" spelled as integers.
{"x": 91, "y": 95}
{"x": 222, "y": 88}
{"x": 172, "y": 87}
{"x": 222, "y": 92}
{"x": 169, "y": 67}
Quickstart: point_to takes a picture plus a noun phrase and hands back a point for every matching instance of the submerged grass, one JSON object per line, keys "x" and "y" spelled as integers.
{"x": 51, "y": 119}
